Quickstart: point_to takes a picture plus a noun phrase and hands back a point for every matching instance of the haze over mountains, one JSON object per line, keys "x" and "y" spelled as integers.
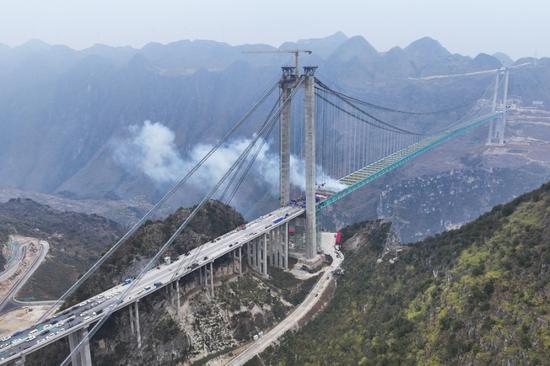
{"x": 65, "y": 113}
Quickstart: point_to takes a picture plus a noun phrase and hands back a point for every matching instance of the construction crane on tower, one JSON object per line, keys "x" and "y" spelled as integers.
{"x": 296, "y": 53}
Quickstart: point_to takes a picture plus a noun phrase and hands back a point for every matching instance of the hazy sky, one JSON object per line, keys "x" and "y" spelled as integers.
{"x": 519, "y": 27}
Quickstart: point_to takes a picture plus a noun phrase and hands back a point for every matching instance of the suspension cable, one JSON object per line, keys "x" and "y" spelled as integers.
{"x": 234, "y": 177}
{"x": 388, "y": 109}
{"x": 371, "y": 116}
{"x": 168, "y": 195}
{"x": 389, "y": 127}
{"x": 165, "y": 247}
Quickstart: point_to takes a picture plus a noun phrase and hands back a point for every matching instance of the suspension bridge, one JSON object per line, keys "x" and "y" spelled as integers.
{"x": 329, "y": 144}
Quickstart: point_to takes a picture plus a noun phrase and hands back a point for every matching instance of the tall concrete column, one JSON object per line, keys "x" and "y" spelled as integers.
{"x": 83, "y": 357}
{"x": 131, "y": 319}
{"x": 73, "y": 342}
{"x": 253, "y": 253}
{"x": 249, "y": 254}
{"x": 85, "y": 354}
{"x": 309, "y": 149}
{"x": 138, "y": 328}
{"x": 212, "y": 278}
{"x": 284, "y": 144}
{"x": 277, "y": 248}
{"x": 240, "y": 261}
{"x": 265, "y": 256}
{"x": 206, "y": 278}
{"x": 178, "y": 296}
{"x": 285, "y": 256}
{"x": 257, "y": 253}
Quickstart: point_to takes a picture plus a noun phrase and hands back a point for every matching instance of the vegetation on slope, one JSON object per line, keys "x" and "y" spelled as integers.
{"x": 478, "y": 295}
{"x": 213, "y": 220}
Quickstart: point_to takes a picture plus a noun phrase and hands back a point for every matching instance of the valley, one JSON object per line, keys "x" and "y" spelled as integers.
{"x": 180, "y": 201}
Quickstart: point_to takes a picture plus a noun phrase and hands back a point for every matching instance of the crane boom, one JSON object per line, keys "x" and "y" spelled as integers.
{"x": 295, "y": 52}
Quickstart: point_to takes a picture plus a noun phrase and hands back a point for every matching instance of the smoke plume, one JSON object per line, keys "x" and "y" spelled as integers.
{"x": 151, "y": 150}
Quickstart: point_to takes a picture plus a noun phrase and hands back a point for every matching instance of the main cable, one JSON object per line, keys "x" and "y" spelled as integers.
{"x": 234, "y": 177}
{"x": 265, "y": 126}
{"x": 163, "y": 249}
{"x": 168, "y": 195}
{"x": 388, "y": 109}
{"x": 387, "y": 124}
{"x": 389, "y": 127}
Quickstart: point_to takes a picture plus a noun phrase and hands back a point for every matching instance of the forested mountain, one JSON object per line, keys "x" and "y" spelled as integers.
{"x": 478, "y": 295}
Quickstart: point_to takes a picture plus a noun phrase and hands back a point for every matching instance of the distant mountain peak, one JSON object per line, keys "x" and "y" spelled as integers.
{"x": 484, "y": 61}
{"x": 504, "y": 59}
{"x": 322, "y": 47}
{"x": 34, "y": 45}
{"x": 427, "y": 47}
{"x": 356, "y": 47}
{"x": 338, "y": 36}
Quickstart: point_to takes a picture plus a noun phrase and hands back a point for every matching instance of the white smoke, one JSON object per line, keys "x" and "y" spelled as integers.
{"x": 151, "y": 150}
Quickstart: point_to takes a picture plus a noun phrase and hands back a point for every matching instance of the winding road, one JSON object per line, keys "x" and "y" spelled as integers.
{"x": 291, "y": 322}
{"x": 8, "y": 302}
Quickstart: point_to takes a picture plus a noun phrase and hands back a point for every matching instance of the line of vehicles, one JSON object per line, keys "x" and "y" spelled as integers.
{"x": 88, "y": 310}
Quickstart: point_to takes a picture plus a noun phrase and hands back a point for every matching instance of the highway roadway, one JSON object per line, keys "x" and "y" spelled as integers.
{"x": 83, "y": 314}
{"x": 17, "y": 255}
{"x": 8, "y": 299}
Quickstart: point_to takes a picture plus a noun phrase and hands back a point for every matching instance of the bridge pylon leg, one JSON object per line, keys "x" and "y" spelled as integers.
{"x": 284, "y": 142}
{"x": 309, "y": 148}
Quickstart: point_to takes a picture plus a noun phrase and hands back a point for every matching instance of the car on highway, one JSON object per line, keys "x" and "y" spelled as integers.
{"x": 127, "y": 281}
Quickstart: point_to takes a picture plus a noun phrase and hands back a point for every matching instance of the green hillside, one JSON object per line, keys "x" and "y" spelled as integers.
{"x": 479, "y": 295}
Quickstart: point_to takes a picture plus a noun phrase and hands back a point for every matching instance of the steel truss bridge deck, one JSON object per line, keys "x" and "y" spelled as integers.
{"x": 365, "y": 175}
